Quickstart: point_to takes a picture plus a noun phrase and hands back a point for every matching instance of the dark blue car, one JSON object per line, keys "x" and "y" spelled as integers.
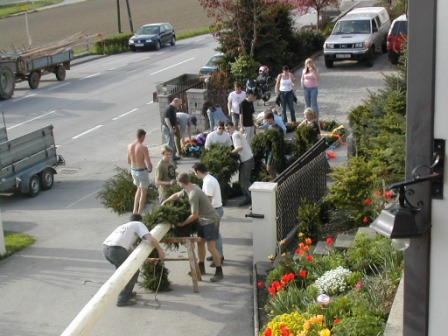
{"x": 153, "y": 36}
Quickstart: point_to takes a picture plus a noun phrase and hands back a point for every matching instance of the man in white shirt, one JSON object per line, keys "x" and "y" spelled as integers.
{"x": 242, "y": 148}
{"x": 233, "y": 103}
{"x": 118, "y": 247}
{"x": 211, "y": 188}
{"x": 218, "y": 136}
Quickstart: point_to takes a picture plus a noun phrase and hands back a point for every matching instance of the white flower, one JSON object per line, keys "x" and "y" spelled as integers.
{"x": 333, "y": 281}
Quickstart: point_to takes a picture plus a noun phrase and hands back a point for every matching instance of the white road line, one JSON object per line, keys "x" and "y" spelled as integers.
{"x": 149, "y": 103}
{"x": 83, "y": 198}
{"x": 28, "y": 96}
{"x": 172, "y": 66}
{"x": 124, "y": 114}
{"x": 88, "y": 131}
{"x": 117, "y": 67}
{"x": 90, "y": 76}
{"x": 26, "y": 122}
{"x": 59, "y": 86}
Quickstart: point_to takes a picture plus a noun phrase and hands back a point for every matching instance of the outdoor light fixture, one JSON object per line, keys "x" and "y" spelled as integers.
{"x": 398, "y": 220}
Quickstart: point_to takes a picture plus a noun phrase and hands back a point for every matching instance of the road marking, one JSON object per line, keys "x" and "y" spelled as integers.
{"x": 117, "y": 67}
{"x": 83, "y": 198}
{"x": 125, "y": 114}
{"x": 90, "y": 76}
{"x": 88, "y": 131}
{"x": 28, "y": 96}
{"x": 149, "y": 103}
{"x": 57, "y": 87}
{"x": 172, "y": 66}
{"x": 26, "y": 122}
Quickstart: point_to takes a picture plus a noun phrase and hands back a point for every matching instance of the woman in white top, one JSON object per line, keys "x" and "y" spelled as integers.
{"x": 284, "y": 87}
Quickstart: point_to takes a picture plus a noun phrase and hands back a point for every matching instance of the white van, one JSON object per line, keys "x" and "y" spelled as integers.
{"x": 358, "y": 35}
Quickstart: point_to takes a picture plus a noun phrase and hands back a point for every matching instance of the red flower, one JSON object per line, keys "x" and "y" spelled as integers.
{"x": 301, "y": 252}
{"x": 309, "y": 258}
{"x": 268, "y": 332}
{"x": 389, "y": 194}
{"x": 285, "y": 278}
{"x": 260, "y": 284}
{"x": 330, "y": 240}
{"x": 337, "y": 320}
{"x": 379, "y": 192}
{"x": 365, "y": 220}
{"x": 303, "y": 273}
{"x": 271, "y": 290}
{"x": 291, "y": 276}
{"x": 368, "y": 202}
{"x": 276, "y": 284}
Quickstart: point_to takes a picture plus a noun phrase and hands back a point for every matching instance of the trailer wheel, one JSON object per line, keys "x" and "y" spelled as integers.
{"x": 34, "y": 186}
{"x": 60, "y": 72}
{"x": 34, "y": 79}
{"x": 47, "y": 178}
{"x": 7, "y": 82}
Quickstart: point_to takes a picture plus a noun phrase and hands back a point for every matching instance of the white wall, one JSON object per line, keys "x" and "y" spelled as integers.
{"x": 438, "y": 298}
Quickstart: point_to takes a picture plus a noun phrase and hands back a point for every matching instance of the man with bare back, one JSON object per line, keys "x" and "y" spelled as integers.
{"x": 141, "y": 166}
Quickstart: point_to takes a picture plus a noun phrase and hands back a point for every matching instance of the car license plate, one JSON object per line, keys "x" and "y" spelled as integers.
{"x": 343, "y": 56}
{"x": 139, "y": 44}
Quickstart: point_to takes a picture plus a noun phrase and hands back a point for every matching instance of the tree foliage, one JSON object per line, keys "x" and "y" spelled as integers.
{"x": 303, "y": 6}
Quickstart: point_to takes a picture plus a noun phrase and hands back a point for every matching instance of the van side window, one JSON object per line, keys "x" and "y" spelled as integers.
{"x": 374, "y": 26}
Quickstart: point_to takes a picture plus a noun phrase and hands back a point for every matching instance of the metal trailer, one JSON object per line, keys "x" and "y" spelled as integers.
{"x": 28, "y": 163}
{"x": 31, "y": 69}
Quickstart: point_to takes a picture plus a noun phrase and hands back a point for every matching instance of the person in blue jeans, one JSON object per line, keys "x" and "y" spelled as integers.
{"x": 118, "y": 246}
{"x": 310, "y": 84}
{"x": 170, "y": 128}
{"x": 284, "y": 87}
{"x": 212, "y": 189}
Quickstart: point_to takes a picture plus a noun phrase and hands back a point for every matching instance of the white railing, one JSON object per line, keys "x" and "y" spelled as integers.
{"x": 108, "y": 293}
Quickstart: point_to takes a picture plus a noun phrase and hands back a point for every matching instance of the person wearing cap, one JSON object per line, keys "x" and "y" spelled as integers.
{"x": 184, "y": 120}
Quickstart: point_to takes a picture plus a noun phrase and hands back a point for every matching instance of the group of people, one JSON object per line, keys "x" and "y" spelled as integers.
{"x": 206, "y": 203}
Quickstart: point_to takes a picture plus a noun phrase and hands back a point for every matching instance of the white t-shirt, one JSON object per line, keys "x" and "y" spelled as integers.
{"x": 240, "y": 141}
{"x": 216, "y": 138}
{"x": 210, "y": 187}
{"x": 125, "y": 235}
{"x": 236, "y": 99}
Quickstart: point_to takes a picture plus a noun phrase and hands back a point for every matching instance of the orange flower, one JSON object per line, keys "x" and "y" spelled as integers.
{"x": 301, "y": 245}
{"x": 308, "y": 241}
{"x": 306, "y": 248}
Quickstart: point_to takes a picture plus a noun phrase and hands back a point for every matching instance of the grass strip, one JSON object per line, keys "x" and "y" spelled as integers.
{"x": 15, "y": 242}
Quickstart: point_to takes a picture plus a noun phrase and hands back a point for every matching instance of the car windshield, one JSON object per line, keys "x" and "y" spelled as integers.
{"x": 213, "y": 61}
{"x": 149, "y": 30}
{"x": 400, "y": 28}
{"x": 352, "y": 27}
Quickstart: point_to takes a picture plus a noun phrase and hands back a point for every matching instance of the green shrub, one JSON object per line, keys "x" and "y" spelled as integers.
{"x": 292, "y": 300}
{"x": 113, "y": 44}
{"x": 118, "y": 192}
{"x": 359, "y": 325}
{"x": 155, "y": 276}
{"x": 305, "y": 138}
{"x": 263, "y": 143}
{"x": 309, "y": 219}
{"x": 222, "y": 165}
{"x": 243, "y": 68}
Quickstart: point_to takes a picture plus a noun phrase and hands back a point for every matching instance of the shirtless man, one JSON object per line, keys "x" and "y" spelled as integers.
{"x": 141, "y": 166}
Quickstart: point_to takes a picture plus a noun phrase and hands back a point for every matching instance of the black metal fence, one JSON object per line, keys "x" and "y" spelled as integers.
{"x": 304, "y": 181}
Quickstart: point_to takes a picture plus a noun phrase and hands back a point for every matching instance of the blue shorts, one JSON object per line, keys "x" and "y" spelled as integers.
{"x": 208, "y": 232}
{"x": 140, "y": 178}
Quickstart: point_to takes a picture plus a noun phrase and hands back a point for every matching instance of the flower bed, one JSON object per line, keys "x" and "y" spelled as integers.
{"x": 344, "y": 293}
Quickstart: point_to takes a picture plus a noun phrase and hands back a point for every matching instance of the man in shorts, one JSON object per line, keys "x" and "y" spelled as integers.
{"x": 165, "y": 173}
{"x": 141, "y": 166}
{"x": 208, "y": 229}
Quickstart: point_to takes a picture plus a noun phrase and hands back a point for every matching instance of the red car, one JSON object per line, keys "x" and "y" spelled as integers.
{"x": 397, "y": 38}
